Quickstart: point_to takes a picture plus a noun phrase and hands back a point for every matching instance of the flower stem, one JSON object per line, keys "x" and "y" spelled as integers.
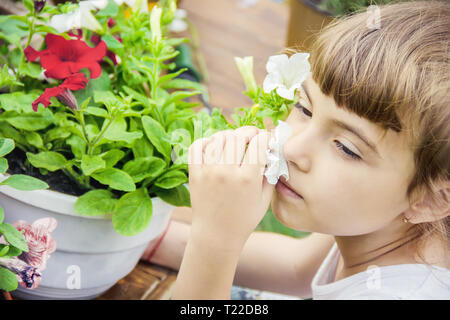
{"x": 155, "y": 77}
{"x": 100, "y": 136}
{"x": 76, "y": 177}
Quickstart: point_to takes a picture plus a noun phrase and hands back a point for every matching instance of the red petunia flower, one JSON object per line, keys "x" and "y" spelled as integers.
{"x": 63, "y": 92}
{"x": 95, "y": 39}
{"x": 63, "y": 58}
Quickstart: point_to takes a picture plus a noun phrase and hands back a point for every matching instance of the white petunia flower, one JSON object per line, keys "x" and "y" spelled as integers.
{"x": 79, "y": 18}
{"x": 276, "y": 163}
{"x": 286, "y": 74}
{"x": 179, "y": 23}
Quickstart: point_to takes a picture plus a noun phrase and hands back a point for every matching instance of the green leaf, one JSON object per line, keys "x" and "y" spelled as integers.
{"x": 111, "y": 10}
{"x": 49, "y": 160}
{"x": 78, "y": 145}
{"x": 184, "y": 84}
{"x": 112, "y": 157}
{"x": 96, "y": 202}
{"x": 170, "y": 76}
{"x": 115, "y": 178}
{"x": 3, "y": 165}
{"x": 105, "y": 97}
{"x": 90, "y": 164}
{"x": 14, "y": 252}
{"x": 178, "y": 196}
{"x": 18, "y": 101}
{"x": 171, "y": 179}
{"x": 99, "y": 112}
{"x": 2, "y": 215}
{"x": 142, "y": 168}
{"x": 31, "y": 121}
{"x": 117, "y": 131}
{"x": 12, "y": 29}
{"x": 8, "y": 251}
{"x": 102, "y": 83}
{"x": 142, "y": 148}
{"x": 56, "y": 133}
{"x": 32, "y": 70}
{"x": 133, "y": 213}
{"x": 8, "y": 280}
{"x": 139, "y": 97}
{"x": 6, "y": 146}
{"x": 157, "y": 136}
{"x": 34, "y": 139}
{"x": 13, "y": 236}
{"x": 29, "y": 5}
{"x": 9, "y": 131}
{"x": 180, "y": 95}
{"x": 4, "y": 250}
{"x": 111, "y": 42}
{"x": 24, "y": 182}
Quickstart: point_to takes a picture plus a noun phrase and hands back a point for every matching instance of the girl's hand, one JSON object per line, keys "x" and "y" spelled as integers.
{"x": 229, "y": 193}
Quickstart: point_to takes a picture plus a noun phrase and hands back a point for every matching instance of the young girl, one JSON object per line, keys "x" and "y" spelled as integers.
{"x": 369, "y": 167}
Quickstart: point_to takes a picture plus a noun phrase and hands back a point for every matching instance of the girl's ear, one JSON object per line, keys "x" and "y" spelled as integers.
{"x": 427, "y": 210}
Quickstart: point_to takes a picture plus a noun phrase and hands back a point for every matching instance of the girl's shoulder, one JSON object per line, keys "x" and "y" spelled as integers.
{"x": 401, "y": 281}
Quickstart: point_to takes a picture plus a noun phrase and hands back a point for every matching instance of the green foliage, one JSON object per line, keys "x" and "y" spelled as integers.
{"x": 8, "y": 280}
{"x": 271, "y": 224}
{"x": 342, "y": 7}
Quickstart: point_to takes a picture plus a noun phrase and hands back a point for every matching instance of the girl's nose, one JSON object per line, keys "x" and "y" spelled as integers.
{"x": 298, "y": 150}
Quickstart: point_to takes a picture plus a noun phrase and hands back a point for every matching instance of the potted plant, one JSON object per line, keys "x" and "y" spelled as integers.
{"x": 95, "y": 110}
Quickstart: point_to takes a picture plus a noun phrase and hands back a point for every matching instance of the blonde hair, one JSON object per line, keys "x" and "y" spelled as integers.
{"x": 398, "y": 76}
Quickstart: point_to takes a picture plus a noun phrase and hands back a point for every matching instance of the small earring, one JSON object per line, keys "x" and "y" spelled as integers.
{"x": 405, "y": 220}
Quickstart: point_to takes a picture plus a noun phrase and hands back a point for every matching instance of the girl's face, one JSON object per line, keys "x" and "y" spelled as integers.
{"x": 352, "y": 180}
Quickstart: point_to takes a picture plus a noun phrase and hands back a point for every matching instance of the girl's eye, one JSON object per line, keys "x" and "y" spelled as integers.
{"x": 347, "y": 152}
{"x": 304, "y": 110}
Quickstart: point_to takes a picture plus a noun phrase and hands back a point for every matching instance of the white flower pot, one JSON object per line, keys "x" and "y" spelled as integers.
{"x": 89, "y": 251}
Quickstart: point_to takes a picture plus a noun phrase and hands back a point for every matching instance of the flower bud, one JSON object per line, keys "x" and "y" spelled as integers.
{"x": 68, "y": 99}
{"x": 155, "y": 23}
{"x": 39, "y": 5}
{"x": 245, "y": 66}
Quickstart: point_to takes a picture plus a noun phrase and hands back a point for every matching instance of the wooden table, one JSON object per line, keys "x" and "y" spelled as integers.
{"x": 226, "y": 30}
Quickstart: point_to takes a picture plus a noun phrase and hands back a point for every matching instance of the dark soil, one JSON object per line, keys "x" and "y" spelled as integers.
{"x": 57, "y": 180}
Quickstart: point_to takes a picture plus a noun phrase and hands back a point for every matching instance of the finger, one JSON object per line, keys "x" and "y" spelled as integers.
{"x": 229, "y": 149}
{"x": 214, "y": 150}
{"x": 195, "y": 152}
{"x": 244, "y": 136}
{"x": 256, "y": 154}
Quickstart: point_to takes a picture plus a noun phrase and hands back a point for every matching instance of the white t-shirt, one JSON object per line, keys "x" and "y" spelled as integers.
{"x": 403, "y": 281}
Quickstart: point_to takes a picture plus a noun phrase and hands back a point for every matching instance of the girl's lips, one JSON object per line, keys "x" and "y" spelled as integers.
{"x": 285, "y": 189}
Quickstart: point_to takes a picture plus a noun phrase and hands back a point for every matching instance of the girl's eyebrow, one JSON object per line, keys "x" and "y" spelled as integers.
{"x": 357, "y": 133}
{"x": 346, "y": 126}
